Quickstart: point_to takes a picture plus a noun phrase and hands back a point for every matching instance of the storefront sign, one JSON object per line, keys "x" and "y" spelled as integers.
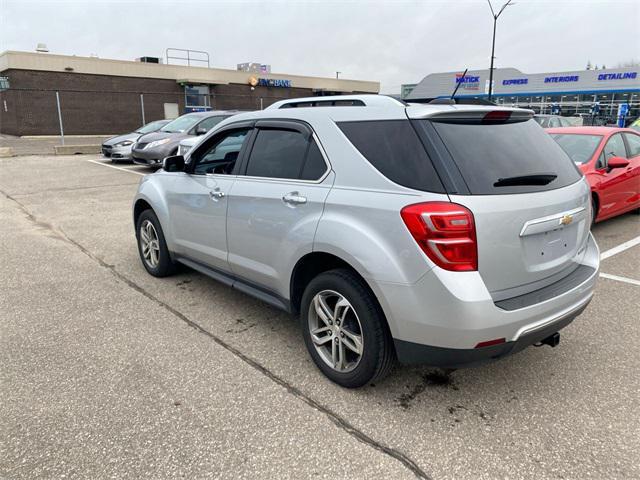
{"x": 566, "y": 78}
{"x": 468, "y": 82}
{"x": 618, "y": 76}
{"x": 270, "y": 82}
{"x": 515, "y": 81}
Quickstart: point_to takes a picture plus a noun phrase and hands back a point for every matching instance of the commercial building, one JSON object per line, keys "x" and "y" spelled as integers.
{"x": 573, "y": 92}
{"x": 97, "y": 96}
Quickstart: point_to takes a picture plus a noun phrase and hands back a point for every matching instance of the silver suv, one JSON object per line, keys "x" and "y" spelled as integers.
{"x": 447, "y": 235}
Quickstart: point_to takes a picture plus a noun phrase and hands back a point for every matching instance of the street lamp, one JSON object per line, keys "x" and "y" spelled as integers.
{"x": 493, "y": 43}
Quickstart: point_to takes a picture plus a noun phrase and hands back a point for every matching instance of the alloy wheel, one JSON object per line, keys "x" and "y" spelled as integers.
{"x": 336, "y": 331}
{"x": 149, "y": 244}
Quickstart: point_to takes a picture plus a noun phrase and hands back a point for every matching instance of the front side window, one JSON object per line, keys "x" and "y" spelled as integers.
{"x": 614, "y": 148}
{"x": 633, "y": 142}
{"x": 285, "y": 154}
{"x": 220, "y": 154}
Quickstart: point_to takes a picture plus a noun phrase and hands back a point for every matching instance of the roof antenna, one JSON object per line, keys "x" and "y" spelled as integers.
{"x": 450, "y": 100}
{"x": 460, "y": 80}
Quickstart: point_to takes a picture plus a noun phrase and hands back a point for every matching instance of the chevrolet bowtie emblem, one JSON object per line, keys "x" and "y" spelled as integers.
{"x": 566, "y": 220}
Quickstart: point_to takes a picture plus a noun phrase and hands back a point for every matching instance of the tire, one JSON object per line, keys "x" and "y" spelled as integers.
{"x": 362, "y": 318}
{"x": 158, "y": 260}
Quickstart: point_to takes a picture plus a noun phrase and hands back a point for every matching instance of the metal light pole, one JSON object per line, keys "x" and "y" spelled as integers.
{"x": 493, "y": 42}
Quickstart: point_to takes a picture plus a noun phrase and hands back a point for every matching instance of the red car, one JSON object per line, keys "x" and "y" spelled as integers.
{"x": 610, "y": 159}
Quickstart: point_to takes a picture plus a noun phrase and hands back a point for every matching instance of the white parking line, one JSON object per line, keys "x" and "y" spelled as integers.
{"x": 620, "y": 248}
{"x": 117, "y": 168}
{"x": 620, "y": 279}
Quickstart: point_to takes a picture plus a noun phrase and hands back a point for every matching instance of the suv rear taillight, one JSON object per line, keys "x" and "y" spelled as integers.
{"x": 444, "y": 231}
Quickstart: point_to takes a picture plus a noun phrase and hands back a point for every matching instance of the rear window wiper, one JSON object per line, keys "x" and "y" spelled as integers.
{"x": 533, "y": 179}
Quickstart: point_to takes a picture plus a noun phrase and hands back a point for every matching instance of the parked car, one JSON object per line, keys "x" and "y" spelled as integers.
{"x": 550, "y": 121}
{"x": 436, "y": 234}
{"x": 610, "y": 159}
{"x": 119, "y": 148}
{"x": 186, "y": 144}
{"x": 150, "y": 149}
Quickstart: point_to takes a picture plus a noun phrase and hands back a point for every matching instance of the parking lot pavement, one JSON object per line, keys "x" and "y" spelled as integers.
{"x": 97, "y": 351}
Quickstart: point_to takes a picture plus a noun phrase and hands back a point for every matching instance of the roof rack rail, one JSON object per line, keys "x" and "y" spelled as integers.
{"x": 339, "y": 101}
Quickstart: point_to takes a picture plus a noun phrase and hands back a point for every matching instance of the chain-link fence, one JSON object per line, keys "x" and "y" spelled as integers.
{"x": 72, "y": 112}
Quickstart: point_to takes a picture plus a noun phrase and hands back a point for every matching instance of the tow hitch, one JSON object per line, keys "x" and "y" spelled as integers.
{"x": 551, "y": 340}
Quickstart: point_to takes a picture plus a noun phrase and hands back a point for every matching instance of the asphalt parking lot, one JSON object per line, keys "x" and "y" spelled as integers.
{"x": 108, "y": 372}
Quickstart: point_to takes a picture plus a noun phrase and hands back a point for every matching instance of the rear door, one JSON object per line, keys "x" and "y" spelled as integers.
{"x": 529, "y": 201}
{"x": 276, "y": 202}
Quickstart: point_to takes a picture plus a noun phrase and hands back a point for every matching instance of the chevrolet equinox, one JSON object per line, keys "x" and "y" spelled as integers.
{"x": 443, "y": 234}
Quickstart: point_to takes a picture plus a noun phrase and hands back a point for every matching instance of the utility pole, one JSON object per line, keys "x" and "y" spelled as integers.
{"x": 338, "y": 74}
{"x": 493, "y": 42}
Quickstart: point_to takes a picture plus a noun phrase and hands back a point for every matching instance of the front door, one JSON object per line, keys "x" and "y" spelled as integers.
{"x": 198, "y": 201}
{"x": 275, "y": 205}
{"x": 615, "y": 183}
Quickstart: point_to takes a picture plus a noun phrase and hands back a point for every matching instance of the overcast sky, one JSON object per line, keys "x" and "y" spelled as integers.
{"x": 393, "y": 42}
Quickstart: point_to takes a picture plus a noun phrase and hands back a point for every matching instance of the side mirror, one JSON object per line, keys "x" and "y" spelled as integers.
{"x": 201, "y": 131}
{"x": 617, "y": 162}
{"x": 174, "y": 163}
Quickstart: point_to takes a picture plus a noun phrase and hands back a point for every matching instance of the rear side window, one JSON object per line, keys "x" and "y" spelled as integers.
{"x": 285, "y": 154}
{"x": 314, "y": 166}
{"x": 394, "y": 149}
{"x": 507, "y": 157}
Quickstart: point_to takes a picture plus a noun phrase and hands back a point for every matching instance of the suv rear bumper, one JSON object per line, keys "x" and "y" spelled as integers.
{"x": 441, "y": 318}
{"x": 413, "y": 353}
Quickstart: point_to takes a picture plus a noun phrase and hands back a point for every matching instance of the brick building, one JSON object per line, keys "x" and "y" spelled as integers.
{"x": 100, "y": 96}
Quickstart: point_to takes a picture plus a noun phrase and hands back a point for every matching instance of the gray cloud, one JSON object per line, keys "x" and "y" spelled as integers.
{"x": 394, "y": 42}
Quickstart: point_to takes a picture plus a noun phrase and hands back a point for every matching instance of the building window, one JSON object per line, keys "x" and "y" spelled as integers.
{"x": 197, "y": 96}
{"x": 4, "y": 83}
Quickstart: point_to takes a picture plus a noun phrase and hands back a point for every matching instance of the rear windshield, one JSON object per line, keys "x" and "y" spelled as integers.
{"x": 507, "y": 158}
{"x": 580, "y": 148}
{"x": 394, "y": 149}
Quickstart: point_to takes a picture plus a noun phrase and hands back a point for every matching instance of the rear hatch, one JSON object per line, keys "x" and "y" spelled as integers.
{"x": 530, "y": 204}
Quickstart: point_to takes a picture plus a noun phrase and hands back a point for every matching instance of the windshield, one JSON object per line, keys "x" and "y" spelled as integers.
{"x": 516, "y": 157}
{"x": 151, "y": 127}
{"x": 181, "y": 124}
{"x": 580, "y": 148}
